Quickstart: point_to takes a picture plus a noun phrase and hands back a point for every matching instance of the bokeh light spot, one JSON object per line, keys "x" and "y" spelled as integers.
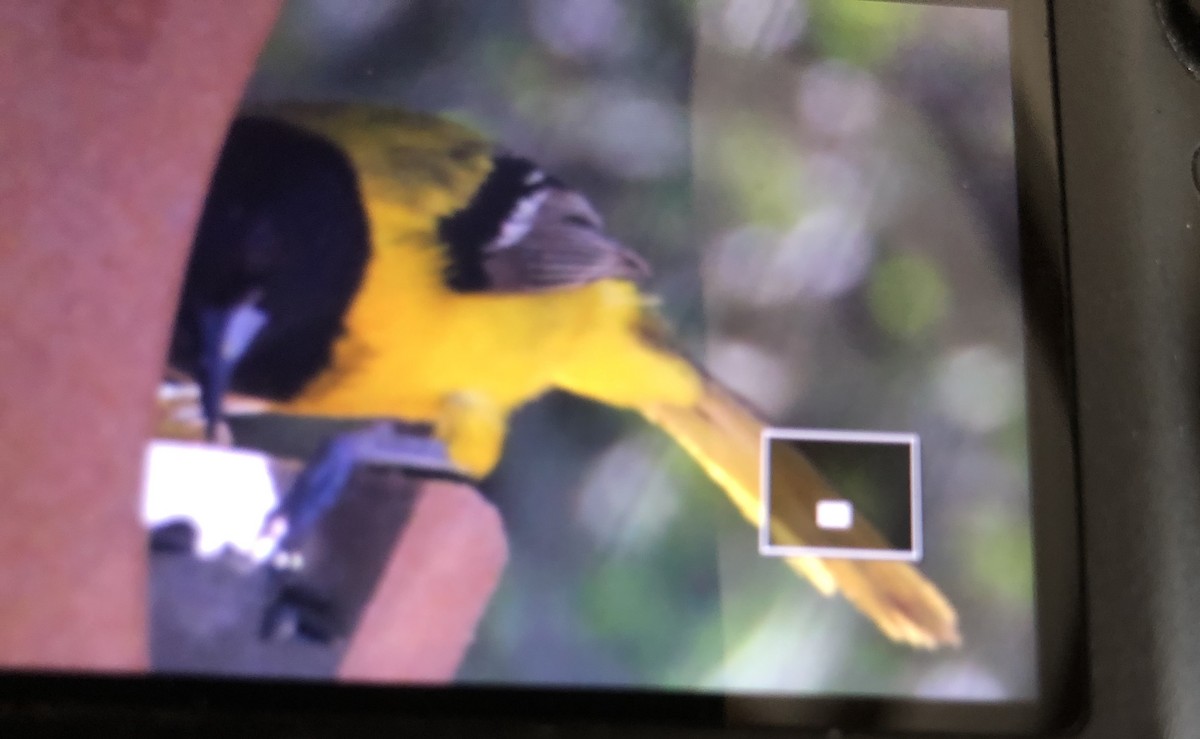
{"x": 582, "y": 29}
{"x": 979, "y": 388}
{"x": 907, "y": 295}
{"x": 636, "y": 136}
{"x": 836, "y": 99}
{"x": 824, "y": 255}
{"x": 757, "y": 28}
{"x": 735, "y": 261}
{"x": 755, "y": 373}
{"x": 628, "y": 497}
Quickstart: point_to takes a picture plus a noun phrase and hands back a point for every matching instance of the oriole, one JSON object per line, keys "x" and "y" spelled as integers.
{"x": 362, "y": 262}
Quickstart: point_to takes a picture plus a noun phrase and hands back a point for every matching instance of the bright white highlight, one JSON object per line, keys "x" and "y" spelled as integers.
{"x": 224, "y": 493}
{"x": 521, "y": 220}
{"x": 835, "y": 515}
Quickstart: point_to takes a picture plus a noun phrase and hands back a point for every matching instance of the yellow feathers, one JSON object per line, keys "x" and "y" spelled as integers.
{"x": 413, "y": 168}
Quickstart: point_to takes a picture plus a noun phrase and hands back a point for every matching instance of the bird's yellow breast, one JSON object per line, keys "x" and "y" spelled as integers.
{"x": 410, "y": 343}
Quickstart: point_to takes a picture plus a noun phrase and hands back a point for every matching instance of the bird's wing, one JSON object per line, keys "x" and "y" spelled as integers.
{"x": 279, "y": 251}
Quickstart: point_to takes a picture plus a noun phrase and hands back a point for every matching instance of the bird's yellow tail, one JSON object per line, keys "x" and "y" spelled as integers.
{"x": 723, "y": 435}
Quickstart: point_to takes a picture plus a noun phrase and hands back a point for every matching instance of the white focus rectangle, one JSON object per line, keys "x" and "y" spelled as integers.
{"x": 888, "y": 461}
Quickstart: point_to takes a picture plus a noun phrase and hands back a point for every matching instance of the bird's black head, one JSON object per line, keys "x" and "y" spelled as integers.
{"x": 525, "y": 230}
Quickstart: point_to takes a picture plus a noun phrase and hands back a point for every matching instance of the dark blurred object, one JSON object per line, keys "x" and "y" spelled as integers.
{"x": 295, "y": 618}
{"x": 1181, "y": 23}
{"x": 176, "y": 537}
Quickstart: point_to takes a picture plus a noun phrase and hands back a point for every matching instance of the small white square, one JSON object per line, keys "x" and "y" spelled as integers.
{"x": 835, "y": 515}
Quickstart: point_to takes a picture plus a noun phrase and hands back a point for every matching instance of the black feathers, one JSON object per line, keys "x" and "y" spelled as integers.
{"x": 284, "y": 233}
{"x": 470, "y": 230}
{"x": 525, "y": 231}
{"x": 282, "y": 248}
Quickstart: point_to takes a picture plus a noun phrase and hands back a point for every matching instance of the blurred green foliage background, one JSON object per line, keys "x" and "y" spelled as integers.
{"x": 826, "y": 190}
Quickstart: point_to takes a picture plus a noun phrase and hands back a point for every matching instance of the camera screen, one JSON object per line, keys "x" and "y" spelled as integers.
{"x": 590, "y": 344}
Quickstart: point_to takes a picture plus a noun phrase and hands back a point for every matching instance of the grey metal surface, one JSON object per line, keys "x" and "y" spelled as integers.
{"x": 1130, "y": 121}
{"x": 207, "y": 616}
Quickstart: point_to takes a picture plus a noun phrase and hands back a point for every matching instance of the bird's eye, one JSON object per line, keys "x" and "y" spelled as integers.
{"x": 576, "y": 219}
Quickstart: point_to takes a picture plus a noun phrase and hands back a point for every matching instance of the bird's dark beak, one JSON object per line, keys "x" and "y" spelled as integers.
{"x": 631, "y": 265}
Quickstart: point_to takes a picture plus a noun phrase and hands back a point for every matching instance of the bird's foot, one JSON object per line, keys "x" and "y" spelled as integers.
{"x": 320, "y": 485}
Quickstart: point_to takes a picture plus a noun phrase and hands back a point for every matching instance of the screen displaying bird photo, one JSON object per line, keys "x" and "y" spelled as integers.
{"x": 584, "y": 253}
